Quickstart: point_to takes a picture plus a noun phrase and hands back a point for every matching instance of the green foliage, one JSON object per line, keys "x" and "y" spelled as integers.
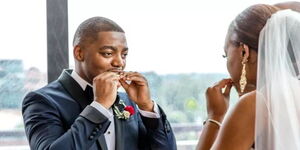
{"x": 191, "y": 104}
{"x": 182, "y": 95}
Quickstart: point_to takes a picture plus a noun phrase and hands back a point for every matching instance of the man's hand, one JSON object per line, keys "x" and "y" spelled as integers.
{"x": 137, "y": 90}
{"x": 105, "y": 87}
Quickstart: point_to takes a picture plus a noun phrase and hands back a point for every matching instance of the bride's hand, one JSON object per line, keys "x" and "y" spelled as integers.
{"x": 217, "y": 102}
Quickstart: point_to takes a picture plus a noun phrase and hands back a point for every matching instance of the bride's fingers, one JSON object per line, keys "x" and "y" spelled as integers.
{"x": 227, "y": 90}
{"x": 221, "y": 84}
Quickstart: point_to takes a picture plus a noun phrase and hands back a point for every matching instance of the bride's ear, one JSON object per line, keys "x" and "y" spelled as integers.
{"x": 245, "y": 53}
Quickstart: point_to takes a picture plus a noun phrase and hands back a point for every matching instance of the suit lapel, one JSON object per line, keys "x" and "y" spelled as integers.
{"x": 73, "y": 88}
{"x": 102, "y": 142}
{"x": 119, "y": 129}
{"x": 119, "y": 133}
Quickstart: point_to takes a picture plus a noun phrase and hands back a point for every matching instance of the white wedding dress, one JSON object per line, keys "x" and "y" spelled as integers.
{"x": 277, "y": 124}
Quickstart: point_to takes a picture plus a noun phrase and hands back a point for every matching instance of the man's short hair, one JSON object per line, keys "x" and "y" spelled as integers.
{"x": 88, "y": 30}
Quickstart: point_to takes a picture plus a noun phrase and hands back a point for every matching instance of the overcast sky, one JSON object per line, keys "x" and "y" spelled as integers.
{"x": 165, "y": 36}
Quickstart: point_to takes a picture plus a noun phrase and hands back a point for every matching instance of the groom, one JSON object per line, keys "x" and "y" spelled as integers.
{"x": 82, "y": 109}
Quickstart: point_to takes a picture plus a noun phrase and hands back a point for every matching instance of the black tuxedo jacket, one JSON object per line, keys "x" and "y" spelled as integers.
{"x": 58, "y": 116}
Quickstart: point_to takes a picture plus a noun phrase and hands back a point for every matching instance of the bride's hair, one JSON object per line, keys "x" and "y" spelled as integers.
{"x": 248, "y": 24}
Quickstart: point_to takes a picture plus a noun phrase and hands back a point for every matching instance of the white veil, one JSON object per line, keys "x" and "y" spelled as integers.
{"x": 277, "y": 124}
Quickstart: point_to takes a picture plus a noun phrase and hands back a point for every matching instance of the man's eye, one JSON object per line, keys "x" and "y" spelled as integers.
{"x": 124, "y": 55}
{"x": 106, "y": 54}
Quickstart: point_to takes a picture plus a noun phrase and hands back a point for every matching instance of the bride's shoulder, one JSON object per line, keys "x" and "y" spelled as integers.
{"x": 246, "y": 105}
{"x": 247, "y": 100}
{"x": 238, "y": 125}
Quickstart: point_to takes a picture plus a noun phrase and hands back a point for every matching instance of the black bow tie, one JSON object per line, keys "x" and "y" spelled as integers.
{"x": 88, "y": 92}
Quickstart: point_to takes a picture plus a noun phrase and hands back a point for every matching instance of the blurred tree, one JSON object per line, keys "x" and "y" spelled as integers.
{"x": 182, "y": 95}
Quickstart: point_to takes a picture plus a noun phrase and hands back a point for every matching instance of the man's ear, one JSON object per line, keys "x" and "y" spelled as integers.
{"x": 245, "y": 53}
{"x": 78, "y": 53}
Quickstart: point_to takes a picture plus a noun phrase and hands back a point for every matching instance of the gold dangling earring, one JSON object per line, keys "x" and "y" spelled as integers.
{"x": 243, "y": 79}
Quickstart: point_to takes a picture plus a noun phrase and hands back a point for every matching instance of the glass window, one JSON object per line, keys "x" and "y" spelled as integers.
{"x": 23, "y": 64}
{"x": 177, "y": 45}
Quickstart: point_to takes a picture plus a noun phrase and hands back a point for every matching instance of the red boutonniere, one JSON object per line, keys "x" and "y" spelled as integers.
{"x": 130, "y": 109}
{"x": 124, "y": 112}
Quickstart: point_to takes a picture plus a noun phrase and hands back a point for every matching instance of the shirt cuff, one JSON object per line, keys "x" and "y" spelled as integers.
{"x": 102, "y": 109}
{"x": 148, "y": 114}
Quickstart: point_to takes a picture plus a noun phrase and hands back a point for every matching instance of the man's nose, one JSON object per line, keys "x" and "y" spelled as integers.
{"x": 118, "y": 61}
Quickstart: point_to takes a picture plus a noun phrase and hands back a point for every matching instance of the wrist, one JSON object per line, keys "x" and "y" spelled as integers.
{"x": 103, "y": 103}
{"x": 218, "y": 118}
{"x": 147, "y": 106}
{"x": 215, "y": 122}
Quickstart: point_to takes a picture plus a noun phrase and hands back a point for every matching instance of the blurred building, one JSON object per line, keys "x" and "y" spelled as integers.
{"x": 15, "y": 82}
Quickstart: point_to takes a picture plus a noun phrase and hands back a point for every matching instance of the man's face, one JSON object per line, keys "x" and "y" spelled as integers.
{"x": 107, "y": 53}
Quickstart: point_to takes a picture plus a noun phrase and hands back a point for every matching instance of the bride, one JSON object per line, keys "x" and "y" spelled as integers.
{"x": 263, "y": 59}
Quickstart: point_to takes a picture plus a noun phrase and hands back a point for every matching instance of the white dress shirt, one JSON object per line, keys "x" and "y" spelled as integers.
{"x": 110, "y": 132}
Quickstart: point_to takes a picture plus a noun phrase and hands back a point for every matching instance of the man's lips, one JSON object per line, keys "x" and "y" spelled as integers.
{"x": 118, "y": 71}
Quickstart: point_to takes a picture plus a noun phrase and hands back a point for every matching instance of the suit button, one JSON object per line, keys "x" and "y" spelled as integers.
{"x": 167, "y": 127}
{"x": 96, "y": 129}
{"x": 91, "y": 137}
{"x": 100, "y": 126}
{"x": 94, "y": 133}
